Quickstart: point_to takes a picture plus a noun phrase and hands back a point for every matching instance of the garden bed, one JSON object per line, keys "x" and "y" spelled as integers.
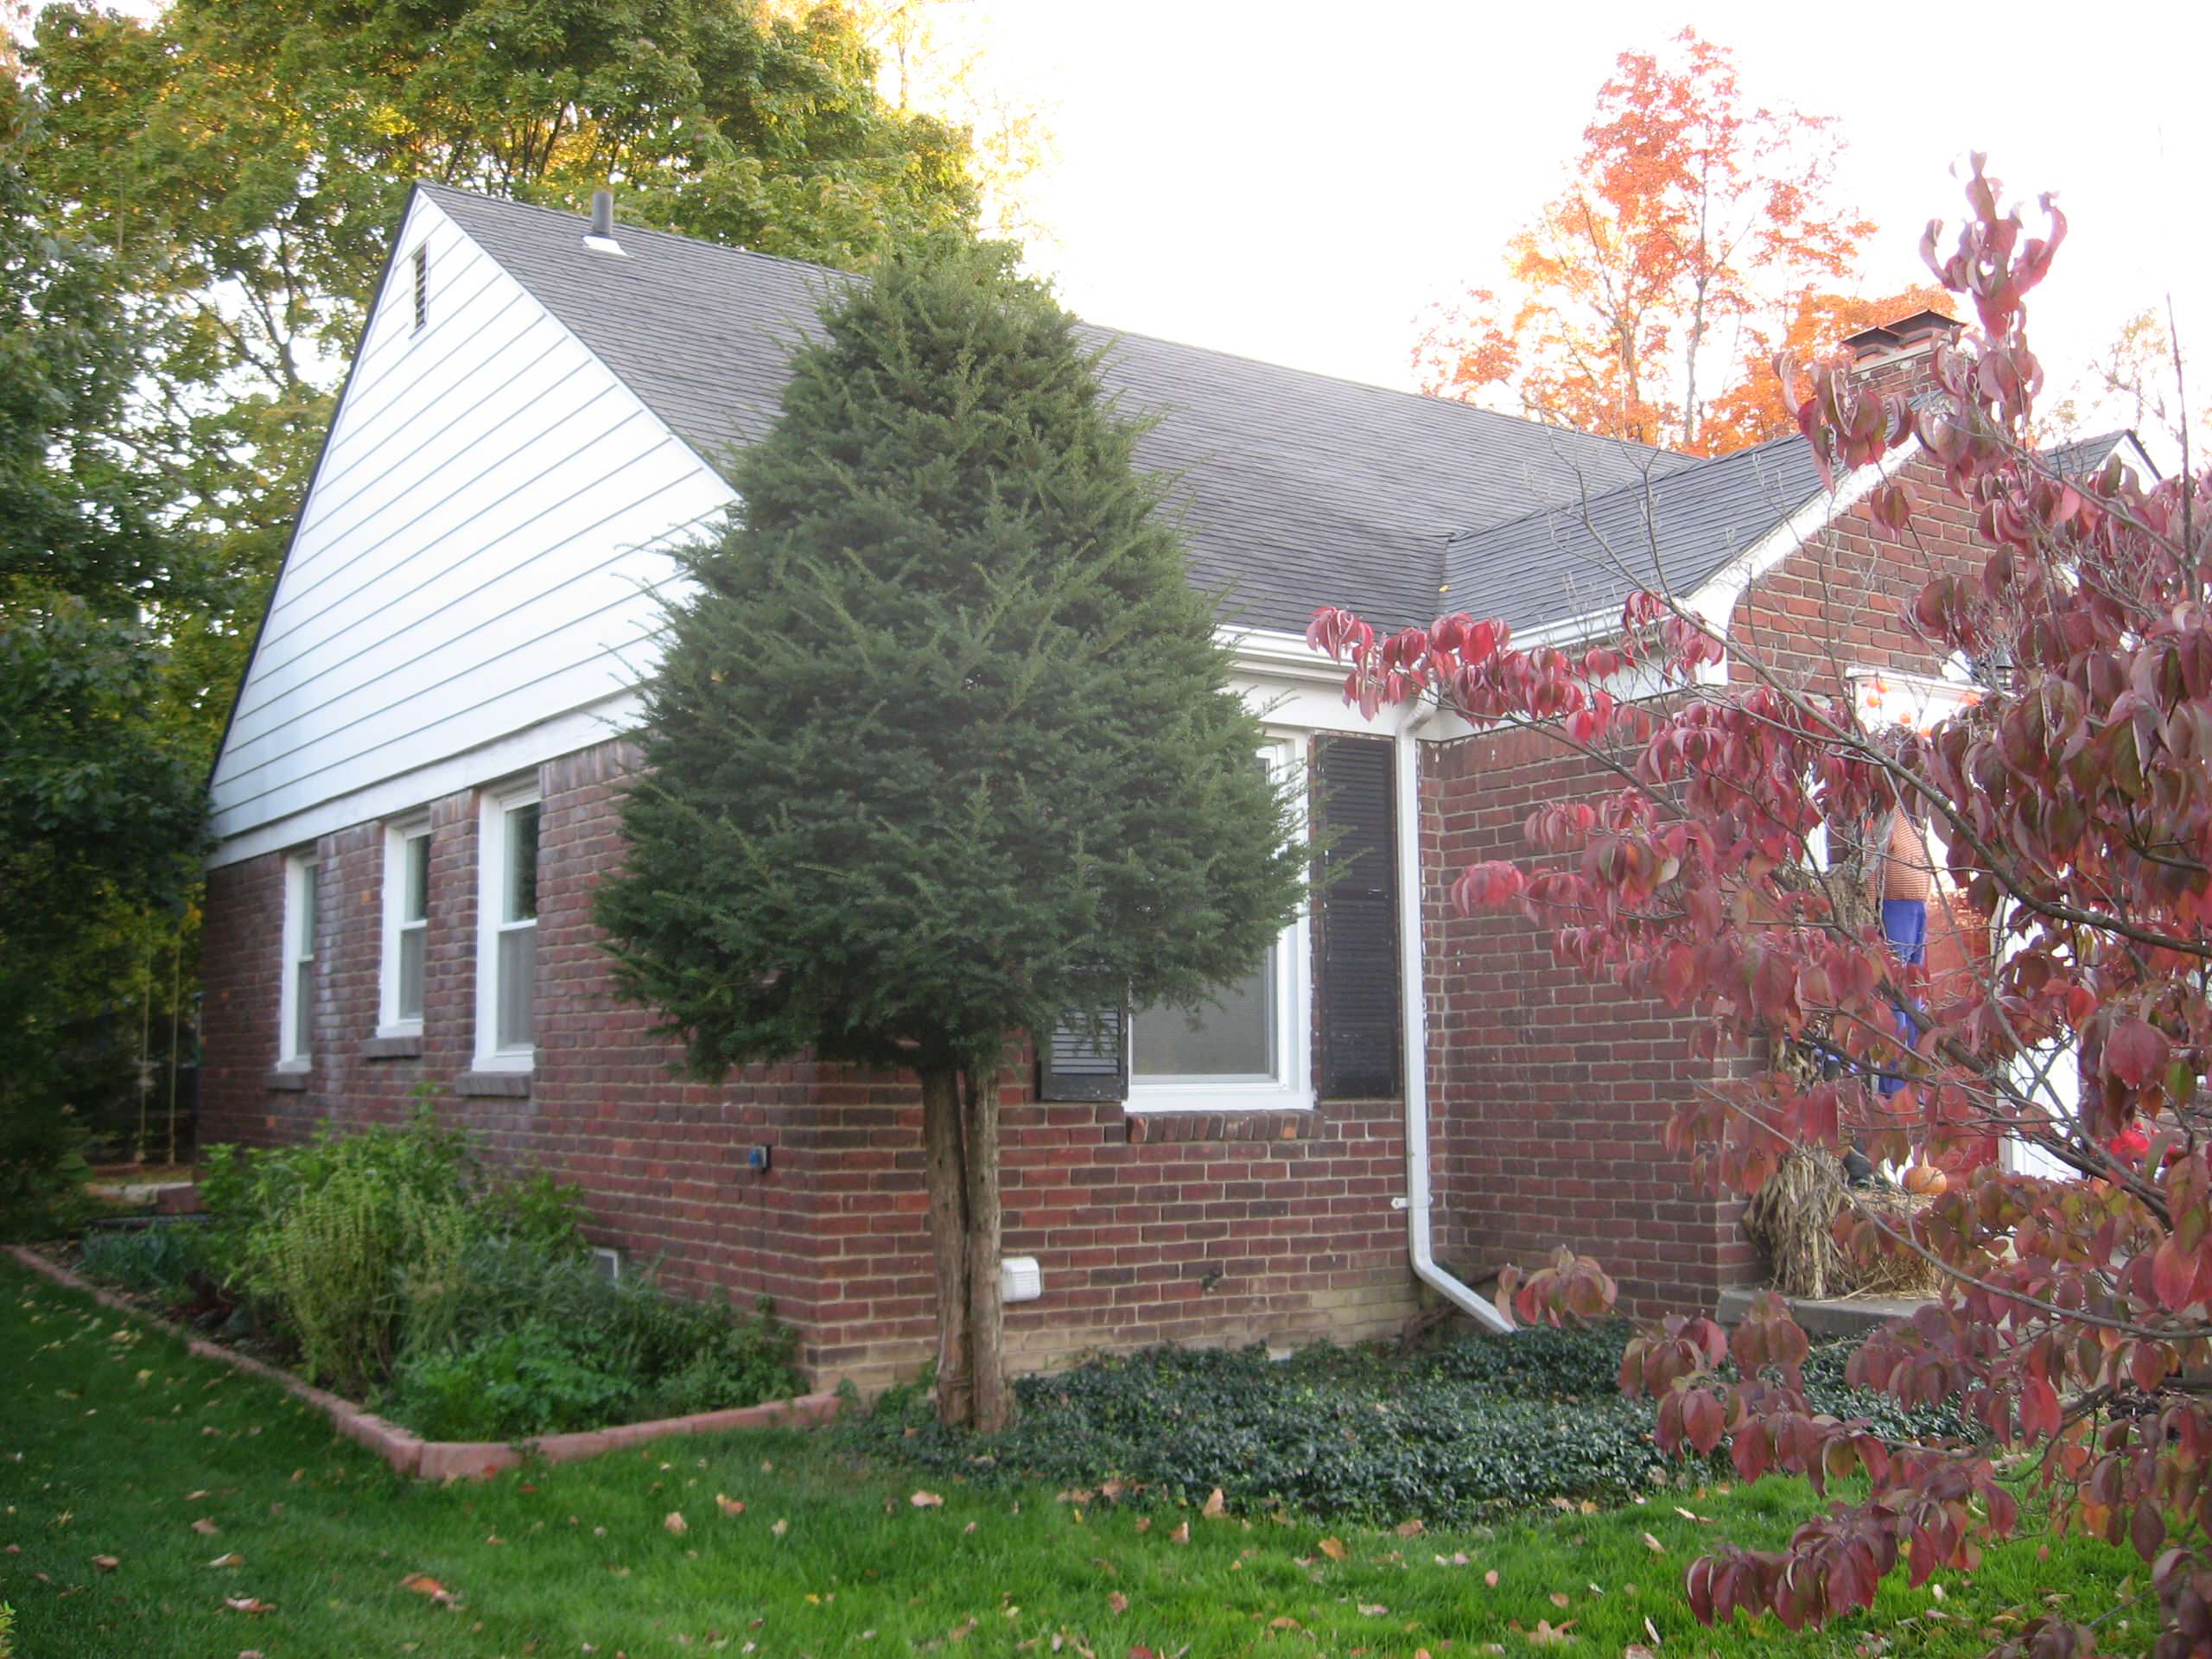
{"x": 1459, "y": 1432}
{"x": 415, "y": 1457}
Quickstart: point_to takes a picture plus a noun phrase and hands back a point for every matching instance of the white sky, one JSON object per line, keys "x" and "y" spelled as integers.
{"x": 1295, "y": 181}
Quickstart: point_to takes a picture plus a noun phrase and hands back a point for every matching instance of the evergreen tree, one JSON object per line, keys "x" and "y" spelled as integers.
{"x": 942, "y": 745}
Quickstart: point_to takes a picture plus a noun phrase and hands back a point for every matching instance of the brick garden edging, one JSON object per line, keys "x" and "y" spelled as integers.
{"x": 423, "y": 1459}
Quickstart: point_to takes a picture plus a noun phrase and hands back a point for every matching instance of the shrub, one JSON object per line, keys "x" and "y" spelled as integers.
{"x": 529, "y": 1381}
{"x": 677, "y": 1356}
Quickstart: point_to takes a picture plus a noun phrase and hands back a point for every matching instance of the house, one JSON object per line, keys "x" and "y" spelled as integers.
{"x": 421, "y": 782}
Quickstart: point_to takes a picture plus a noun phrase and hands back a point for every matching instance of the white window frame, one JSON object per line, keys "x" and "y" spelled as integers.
{"x": 1291, "y": 1090}
{"x": 491, "y": 884}
{"x": 301, "y": 873}
{"x": 396, "y": 837}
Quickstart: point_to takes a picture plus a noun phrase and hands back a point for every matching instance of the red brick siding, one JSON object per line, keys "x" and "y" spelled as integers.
{"x": 1550, "y": 1095}
{"x": 1245, "y": 1234}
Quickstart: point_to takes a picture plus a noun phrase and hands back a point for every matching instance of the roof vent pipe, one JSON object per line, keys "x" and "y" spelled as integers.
{"x": 600, "y": 238}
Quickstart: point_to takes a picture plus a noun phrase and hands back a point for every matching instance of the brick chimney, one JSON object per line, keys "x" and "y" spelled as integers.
{"x": 1898, "y": 356}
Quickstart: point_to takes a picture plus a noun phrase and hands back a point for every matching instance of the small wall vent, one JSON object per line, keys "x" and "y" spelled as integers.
{"x": 422, "y": 285}
{"x": 1020, "y": 1280}
{"x": 609, "y": 1263}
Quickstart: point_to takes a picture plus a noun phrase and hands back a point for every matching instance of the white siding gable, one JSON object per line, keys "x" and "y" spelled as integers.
{"x": 467, "y": 592}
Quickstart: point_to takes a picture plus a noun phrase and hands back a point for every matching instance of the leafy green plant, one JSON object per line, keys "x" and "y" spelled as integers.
{"x": 529, "y": 1381}
{"x": 158, "y": 1260}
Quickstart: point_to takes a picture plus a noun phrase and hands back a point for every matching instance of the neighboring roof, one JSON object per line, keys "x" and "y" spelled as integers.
{"x": 2086, "y": 455}
{"x": 1674, "y": 530}
{"x": 1299, "y": 490}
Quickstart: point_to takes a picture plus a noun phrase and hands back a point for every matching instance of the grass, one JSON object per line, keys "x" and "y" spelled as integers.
{"x": 114, "y": 1443}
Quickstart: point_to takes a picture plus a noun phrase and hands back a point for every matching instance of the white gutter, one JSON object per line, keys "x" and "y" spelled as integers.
{"x": 1415, "y": 1002}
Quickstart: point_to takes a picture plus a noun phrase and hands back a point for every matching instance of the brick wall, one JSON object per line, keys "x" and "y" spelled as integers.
{"x": 1549, "y": 1094}
{"x": 1192, "y": 1228}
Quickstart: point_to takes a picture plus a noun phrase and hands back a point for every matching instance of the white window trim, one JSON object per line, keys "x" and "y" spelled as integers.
{"x": 396, "y": 837}
{"x": 491, "y": 880}
{"x": 302, "y": 870}
{"x": 1293, "y": 1089}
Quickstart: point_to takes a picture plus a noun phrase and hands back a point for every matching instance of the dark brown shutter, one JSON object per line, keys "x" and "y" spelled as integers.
{"x": 1355, "y": 994}
{"x": 1085, "y": 1058}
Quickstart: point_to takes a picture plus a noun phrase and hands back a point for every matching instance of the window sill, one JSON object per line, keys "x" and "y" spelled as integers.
{"x": 504, "y": 1085}
{"x": 291, "y": 1079}
{"x": 1147, "y": 1126}
{"x": 395, "y": 1045}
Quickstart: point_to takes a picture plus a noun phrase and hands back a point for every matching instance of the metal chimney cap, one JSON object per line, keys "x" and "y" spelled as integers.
{"x": 600, "y": 238}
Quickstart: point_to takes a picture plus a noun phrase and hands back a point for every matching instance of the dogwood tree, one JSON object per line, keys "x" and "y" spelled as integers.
{"x": 2074, "y": 796}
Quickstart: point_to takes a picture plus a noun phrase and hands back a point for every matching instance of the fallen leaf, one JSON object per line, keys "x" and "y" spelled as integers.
{"x": 1372, "y": 1609}
{"x": 728, "y": 1505}
{"x": 1144, "y": 1524}
{"x": 969, "y": 1528}
{"x": 232, "y": 1560}
{"x": 1117, "y": 1601}
{"x": 1411, "y": 1528}
{"x": 926, "y": 1501}
{"x": 1284, "y": 1622}
{"x": 1549, "y": 1634}
{"x": 1686, "y": 1516}
{"x": 781, "y": 1527}
{"x": 1181, "y": 1535}
{"x": 424, "y": 1585}
{"x": 677, "y": 1525}
{"x": 206, "y": 1527}
{"x": 1215, "y": 1507}
{"x": 247, "y": 1605}
{"x": 1637, "y": 1650}
{"x": 1654, "y": 1545}
{"x": 1651, "y": 1630}
{"x": 1490, "y": 1578}
{"x": 1560, "y": 1598}
{"x": 1333, "y": 1549}
{"x": 193, "y": 1497}
{"x": 106, "y": 1563}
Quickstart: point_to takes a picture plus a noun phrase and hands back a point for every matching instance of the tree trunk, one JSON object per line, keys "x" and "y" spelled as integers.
{"x": 944, "y": 1155}
{"x": 986, "y": 1311}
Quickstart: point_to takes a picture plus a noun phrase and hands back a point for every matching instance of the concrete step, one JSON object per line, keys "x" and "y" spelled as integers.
{"x": 1836, "y": 1316}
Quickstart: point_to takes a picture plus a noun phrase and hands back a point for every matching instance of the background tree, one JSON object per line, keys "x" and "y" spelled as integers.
{"x": 100, "y": 804}
{"x": 2139, "y": 382}
{"x": 941, "y": 747}
{"x": 1687, "y": 214}
{"x": 2075, "y": 800}
{"x": 251, "y": 158}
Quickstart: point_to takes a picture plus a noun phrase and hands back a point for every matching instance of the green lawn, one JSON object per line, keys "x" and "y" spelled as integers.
{"x": 114, "y": 1443}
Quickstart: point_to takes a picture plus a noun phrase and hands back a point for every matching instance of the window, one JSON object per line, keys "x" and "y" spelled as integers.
{"x": 507, "y": 956}
{"x": 295, "y": 995}
{"x": 1247, "y": 1049}
{"x": 406, "y": 929}
{"x": 422, "y": 285}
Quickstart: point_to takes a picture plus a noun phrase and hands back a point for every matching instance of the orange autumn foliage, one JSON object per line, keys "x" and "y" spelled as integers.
{"x": 1688, "y": 214}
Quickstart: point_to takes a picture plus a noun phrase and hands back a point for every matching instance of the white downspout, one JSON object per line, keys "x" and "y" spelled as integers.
{"x": 1415, "y": 1002}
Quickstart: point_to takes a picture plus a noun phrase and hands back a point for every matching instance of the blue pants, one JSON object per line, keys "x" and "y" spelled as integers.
{"x": 1904, "y": 924}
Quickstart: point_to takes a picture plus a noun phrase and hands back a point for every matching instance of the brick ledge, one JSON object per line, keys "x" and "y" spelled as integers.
{"x": 406, "y": 1047}
{"x": 289, "y": 1081}
{"x": 1148, "y": 1128}
{"x": 506, "y": 1085}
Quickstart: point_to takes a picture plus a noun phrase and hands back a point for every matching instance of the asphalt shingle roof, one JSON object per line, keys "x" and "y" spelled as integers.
{"x": 1674, "y": 529}
{"x": 1298, "y": 490}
